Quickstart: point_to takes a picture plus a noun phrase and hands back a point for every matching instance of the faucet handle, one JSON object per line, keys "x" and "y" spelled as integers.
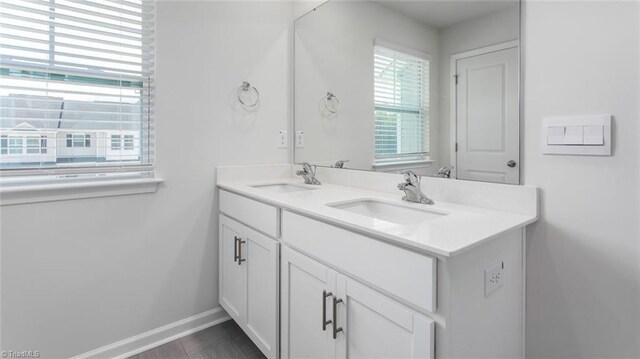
{"x": 411, "y": 177}
{"x": 307, "y": 167}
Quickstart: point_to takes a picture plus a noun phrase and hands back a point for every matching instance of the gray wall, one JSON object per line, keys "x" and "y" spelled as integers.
{"x": 78, "y": 275}
{"x": 583, "y": 255}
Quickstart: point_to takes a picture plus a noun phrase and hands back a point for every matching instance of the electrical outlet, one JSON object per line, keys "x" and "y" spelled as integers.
{"x": 282, "y": 139}
{"x": 493, "y": 278}
{"x": 299, "y": 139}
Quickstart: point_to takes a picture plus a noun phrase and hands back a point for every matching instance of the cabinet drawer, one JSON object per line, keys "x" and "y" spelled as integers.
{"x": 260, "y": 216}
{"x": 407, "y": 275}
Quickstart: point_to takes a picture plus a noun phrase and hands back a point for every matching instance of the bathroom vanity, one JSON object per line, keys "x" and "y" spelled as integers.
{"x": 340, "y": 270}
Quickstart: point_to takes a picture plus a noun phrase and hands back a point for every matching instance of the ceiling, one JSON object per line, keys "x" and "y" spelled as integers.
{"x": 444, "y": 13}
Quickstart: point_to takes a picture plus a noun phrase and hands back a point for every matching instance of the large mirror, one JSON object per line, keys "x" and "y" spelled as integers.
{"x": 410, "y": 85}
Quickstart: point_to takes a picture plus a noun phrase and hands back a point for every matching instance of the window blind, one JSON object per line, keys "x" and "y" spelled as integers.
{"x": 401, "y": 99}
{"x": 77, "y": 75}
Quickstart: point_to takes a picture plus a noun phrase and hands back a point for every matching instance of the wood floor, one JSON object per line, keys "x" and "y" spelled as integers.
{"x": 223, "y": 341}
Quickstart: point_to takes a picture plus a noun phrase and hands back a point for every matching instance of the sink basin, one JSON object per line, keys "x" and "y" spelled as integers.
{"x": 390, "y": 212}
{"x": 282, "y": 188}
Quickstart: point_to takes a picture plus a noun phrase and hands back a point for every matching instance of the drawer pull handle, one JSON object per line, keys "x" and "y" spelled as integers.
{"x": 240, "y": 259}
{"x": 325, "y": 295}
{"x": 235, "y": 248}
{"x": 336, "y": 329}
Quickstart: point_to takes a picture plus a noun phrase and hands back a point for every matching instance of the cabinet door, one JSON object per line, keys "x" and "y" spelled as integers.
{"x": 259, "y": 256}
{"x": 375, "y": 326}
{"x": 304, "y": 283}
{"x": 232, "y": 283}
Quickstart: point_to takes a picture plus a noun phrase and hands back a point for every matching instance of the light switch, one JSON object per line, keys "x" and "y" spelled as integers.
{"x": 555, "y": 135}
{"x": 573, "y": 135}
{"x": 588, "y": 135}
{"x": 594, "y": 135}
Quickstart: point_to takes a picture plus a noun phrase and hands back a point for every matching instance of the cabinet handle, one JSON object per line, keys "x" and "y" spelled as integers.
{"x": 325, "y": 294}
{"x": 336, "y": 329}
{"x": 235, "y": 248}
{"x": 240, "y": 259}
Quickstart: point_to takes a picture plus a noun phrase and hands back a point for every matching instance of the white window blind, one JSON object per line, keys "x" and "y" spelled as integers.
{"x": 76, "y": 74}
{"x": 401, "y": 99}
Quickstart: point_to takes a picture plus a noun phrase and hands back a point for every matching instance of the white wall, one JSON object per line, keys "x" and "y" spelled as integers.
{"x": 473, "y": 34}
{"x": 301, "y": 7}
{"x": 339, "y": 58}
{"x": 583, "y": 257}
{"x": 78, "y": 275}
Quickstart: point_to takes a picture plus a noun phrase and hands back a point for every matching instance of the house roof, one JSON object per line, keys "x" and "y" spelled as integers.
{"x": 48, "y": 112}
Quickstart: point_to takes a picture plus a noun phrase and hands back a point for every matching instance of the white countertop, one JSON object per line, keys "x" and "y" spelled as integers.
{"x": 463, "y": 227}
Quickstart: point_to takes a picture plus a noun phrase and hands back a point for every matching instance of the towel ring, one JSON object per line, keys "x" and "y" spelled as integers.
{"x": 246, "y": 87}
{"x": 331, "y": 103}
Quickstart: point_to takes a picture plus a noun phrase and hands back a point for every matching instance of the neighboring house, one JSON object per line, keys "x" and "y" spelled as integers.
{"x": 26, "y": 144}
{"x": 65, "y": 132}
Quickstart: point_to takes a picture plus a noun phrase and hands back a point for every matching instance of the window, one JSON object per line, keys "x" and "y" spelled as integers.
{"x": 78, "y": 71}
{"x": 78, "y": 140}
{"x": 15, "y": 145}
{"x": 33, "y": 145}
{"x": 115, "y": 142}
{"x": 122, "y": 142}
{"x": 23, "y": 144}
{"x": 128, "y": 142}
{"x": 401, "y": 106}
{"x": 43, "y": 144}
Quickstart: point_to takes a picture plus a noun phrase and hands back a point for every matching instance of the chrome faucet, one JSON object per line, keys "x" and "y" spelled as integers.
{"x": 444, "y": 172}
{"x": 308, "y": 172}
{"x": 411, "y": 188}
{"x": 340, "y": 163}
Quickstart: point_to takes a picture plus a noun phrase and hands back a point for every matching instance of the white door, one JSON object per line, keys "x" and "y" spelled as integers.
{"x": 375, "y": 326}
{"x": 232, "y": 283}
{"x": 259, "y": 257}
{"x": 307, "y": 290}
{"x": 487, "y": 117}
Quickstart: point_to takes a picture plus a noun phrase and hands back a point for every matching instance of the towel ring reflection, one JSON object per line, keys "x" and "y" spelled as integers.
{"x": 246, "y": 88}
{"x": 331, "y": 103}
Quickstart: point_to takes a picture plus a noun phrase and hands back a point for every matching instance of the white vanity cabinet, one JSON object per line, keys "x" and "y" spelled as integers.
{"x": 375, "y": 326}
{"x": 249, "y": 282}
{"x": 301, "y": 286}
{"x": 329, "y": 315}
{"x": 307, "y": 290}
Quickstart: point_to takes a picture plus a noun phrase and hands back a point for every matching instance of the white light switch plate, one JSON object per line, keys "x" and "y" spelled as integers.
{"x": 577, "y": 135}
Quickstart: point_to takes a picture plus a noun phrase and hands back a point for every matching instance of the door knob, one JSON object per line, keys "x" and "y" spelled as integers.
{"x": 511, "y": 163}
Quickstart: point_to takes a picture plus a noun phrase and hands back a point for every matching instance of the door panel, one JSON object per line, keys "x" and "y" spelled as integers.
{"x": 261, "y": 253}
{"x": 487, "y": 117}
{"x": 303, "y": 283}
{"x": 232, "y": 283}
{"x": 375, "y": 326}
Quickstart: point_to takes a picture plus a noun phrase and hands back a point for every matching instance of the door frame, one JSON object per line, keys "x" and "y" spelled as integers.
{"x": 453, "y": 99}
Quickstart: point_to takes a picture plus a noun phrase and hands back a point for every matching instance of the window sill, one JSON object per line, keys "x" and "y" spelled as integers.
{"x": 37, "y": 193}
{"x": 402, "y": 163}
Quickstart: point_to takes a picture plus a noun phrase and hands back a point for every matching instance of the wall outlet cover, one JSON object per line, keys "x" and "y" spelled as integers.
{"x": 282, "y": 139}
{"x": 493, "y": 278}
{"x": 299, "y": 139}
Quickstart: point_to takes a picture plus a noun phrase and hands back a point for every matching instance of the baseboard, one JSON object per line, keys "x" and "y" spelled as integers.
{"x": 156, "y": 337}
